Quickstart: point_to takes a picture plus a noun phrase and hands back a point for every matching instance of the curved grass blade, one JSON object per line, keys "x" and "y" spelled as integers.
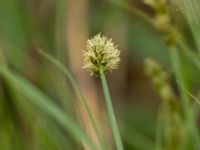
{"x": 79, "y": 93}
{"x": 47, "y": 106}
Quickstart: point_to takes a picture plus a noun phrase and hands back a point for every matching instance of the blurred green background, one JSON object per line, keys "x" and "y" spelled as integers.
{"x": 35, "y": 96}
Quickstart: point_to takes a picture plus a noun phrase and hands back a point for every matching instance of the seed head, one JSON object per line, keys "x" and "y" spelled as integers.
{"x": 101, "y": 53}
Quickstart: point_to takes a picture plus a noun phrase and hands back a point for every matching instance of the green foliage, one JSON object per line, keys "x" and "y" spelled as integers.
{"x": 40, "y": 98}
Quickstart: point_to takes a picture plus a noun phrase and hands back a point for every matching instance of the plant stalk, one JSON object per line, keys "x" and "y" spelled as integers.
{"x": 111, "y": 114}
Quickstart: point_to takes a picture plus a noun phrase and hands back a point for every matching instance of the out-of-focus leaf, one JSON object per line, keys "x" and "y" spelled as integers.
{"x": 45, "y": 104}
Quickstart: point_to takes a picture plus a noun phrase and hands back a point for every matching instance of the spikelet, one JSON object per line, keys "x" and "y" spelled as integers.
{"x": 102, "y": 53}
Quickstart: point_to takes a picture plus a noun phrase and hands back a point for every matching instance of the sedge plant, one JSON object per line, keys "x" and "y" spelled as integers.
{"x": 101, "y": 56}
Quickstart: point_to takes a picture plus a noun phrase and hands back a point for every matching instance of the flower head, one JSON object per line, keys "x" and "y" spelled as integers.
{"x": 101, "y": 53}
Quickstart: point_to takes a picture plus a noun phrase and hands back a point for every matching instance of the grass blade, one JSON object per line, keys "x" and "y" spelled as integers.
{"x": 79, "y": 93}
{"x": 47, "y": 106}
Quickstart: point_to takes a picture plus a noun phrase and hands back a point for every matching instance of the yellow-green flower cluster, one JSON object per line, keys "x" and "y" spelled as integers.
{"x": 159, "y": 78}
{"x": 101, "y": 53}
{"x": 173, "y": 114}
{"x": 162, "y": 19}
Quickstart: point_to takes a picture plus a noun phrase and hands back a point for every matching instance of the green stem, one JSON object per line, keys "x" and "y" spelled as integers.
{"x": 111, "y": 114}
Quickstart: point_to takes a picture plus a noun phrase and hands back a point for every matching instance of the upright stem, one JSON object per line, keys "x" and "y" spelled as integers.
{"x": 111, "y": 114}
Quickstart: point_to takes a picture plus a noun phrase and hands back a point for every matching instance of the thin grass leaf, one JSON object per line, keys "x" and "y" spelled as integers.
{"x": 191, "y": 128}
{"x": 79, "y": 93}
{"x": 194, "y": 58}
{"x": 189, "y": 93}
{"x": 47, "y": 106}
{"x": 190, "y": 10}
{"x": 196, "y": 99}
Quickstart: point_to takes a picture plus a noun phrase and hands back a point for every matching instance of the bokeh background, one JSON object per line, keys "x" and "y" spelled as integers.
{"x": 61, "y": 29}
